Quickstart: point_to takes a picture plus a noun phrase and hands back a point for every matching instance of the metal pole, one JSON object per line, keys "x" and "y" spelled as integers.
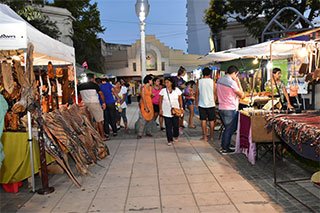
{"x": 143, "y": 50}
{"x": 75, "y": 83}
{"x": 273, "y": 136}
{"x": 30, "y": 136}
{"x": 31, "y": 151}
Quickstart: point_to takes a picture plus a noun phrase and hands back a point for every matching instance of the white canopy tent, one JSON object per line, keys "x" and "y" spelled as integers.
{"x": 280, "y": 50}
{"x": 15, "y": 34}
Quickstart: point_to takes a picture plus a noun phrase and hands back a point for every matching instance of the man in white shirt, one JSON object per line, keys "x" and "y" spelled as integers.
{"x": 205, "y": 101}
{"x": 89, "y": 93}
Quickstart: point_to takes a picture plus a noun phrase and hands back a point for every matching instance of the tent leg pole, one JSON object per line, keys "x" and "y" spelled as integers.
{"x": 31, "y": 151}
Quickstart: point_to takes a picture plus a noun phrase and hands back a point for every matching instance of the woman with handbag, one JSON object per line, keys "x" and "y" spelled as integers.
{"x": 171, "y": 108}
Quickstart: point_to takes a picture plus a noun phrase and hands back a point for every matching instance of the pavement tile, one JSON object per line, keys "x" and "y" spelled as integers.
{"x": 218, "y": 208}
{"x": 212, "y": 198}
{"x": 202, "y": 178}
{"x": 206, "y": 187}
{"x": 229, "y": 177}
{"x": 187, "y": 209}
{"x": 107, "y": 205}
{"x": 175, "y": 189}
{"x": 180, "y": 201}
{"x": 241, "y": 185}
{"x": 145, "y": 204}
{"x": 141, "y": 191}
{"x": 170, "y": 172}
{"x": 112, "y": 192}
{"x": 173, "y": 179}
{"x": 144, "y": 181}
{"x": 256, "y": 207}
{"x": 251, "y": 196}
{"x": 197, "y": 171}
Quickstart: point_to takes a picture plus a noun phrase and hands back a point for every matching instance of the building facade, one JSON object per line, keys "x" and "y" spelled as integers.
{"x": 124, "y": 60}
{"x": 198, "y": 32}
{"x": 63, "y": 19}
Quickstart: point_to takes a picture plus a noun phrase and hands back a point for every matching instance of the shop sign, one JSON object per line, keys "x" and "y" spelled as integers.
{"x": 13, "y": 36}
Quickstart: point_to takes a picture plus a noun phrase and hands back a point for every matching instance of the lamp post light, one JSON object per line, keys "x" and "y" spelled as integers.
{"x": 142, "y": 11}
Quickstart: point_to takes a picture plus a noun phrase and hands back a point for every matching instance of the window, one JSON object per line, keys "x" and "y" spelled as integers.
{"x": 163, "y": 66}
{"x": 134, "y": 67}
{"x": 240, "y": 43}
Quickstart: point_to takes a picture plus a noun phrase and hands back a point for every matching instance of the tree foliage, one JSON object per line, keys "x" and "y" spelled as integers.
{"x": 256, "y": 14}
{"x": 34, "y": 16}
{"x": 86, "y": 26}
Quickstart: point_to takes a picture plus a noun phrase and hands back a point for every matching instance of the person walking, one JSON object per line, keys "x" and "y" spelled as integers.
{"x": 180, "y": 83}
{"x": 170, "y": 97}
{"x": 89, "y": 92}
{"x": 205, "y": 101}
{"x": 189, "y": 97}
{"x": 155, "y": 101}
{"x": 229, "y": 91}
{"x": 146, "y": 108}
{"x": 120, "y": 92}
{"x": 110, "y": 112}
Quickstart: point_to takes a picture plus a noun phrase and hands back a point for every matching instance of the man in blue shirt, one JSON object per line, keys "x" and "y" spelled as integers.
{"x": 110, "y": 112}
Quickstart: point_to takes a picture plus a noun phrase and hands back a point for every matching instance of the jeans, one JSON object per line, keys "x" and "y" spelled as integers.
{"x": 144, "y": 126}
{"x": 172, "y": 127}
{"x": 110, "y": 118}
{"x": 230, "y": 121}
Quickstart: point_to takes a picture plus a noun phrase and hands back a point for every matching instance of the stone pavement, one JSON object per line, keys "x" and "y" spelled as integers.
{"x": 146, "y": 175}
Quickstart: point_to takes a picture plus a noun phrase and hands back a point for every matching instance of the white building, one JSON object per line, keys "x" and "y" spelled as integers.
{"x": 198, "y": 32}
{"x": 124, "y": 60}
{"x": 63, "y": 19}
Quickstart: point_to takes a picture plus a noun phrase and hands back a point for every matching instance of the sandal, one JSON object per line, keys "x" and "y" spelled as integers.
{"x": 192, "y": 127}
{"x": 204, "y": 139}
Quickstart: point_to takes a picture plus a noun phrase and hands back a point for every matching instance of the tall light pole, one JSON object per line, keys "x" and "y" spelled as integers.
{"x": 142, "y": 11}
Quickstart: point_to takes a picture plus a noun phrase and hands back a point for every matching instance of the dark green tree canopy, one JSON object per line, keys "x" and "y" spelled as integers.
{"x": 86, "y": 27}
{"x": 255, "y": 14}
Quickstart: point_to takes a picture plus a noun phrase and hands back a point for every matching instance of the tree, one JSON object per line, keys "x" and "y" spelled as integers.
{"x": 86, "y": 27}
{"x": 34, "y": 16}
{"x": 254, "y": 14}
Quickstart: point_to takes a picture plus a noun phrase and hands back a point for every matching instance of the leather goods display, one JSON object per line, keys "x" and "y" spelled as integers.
{"x": 50, "y": 71}
{"x": 59, "y": 72}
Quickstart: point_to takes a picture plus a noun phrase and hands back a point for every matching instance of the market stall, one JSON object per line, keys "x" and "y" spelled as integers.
{"x": 17, "y": 36}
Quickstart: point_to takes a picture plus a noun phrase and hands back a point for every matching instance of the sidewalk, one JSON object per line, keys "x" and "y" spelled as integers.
{"x": 146, "y": 175}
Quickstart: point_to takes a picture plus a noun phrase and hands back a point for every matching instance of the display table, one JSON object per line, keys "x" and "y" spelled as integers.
{"x": 300, "y": 131}
{"x": 16, "y": 164}
{"x": 251, "y": 130}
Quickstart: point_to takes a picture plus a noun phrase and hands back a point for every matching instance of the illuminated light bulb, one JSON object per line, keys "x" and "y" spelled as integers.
{"x": 255, "y": 61}
{"x": 303, "y": 52}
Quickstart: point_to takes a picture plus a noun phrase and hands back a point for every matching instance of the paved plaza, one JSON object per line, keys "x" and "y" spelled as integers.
{"x": 146, "y": 175}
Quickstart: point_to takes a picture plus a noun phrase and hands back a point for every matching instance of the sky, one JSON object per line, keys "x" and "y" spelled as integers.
{"x": 166, "y": 20}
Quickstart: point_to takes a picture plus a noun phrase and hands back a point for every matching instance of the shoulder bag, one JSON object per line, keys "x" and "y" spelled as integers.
{"x": 175, "y": 111}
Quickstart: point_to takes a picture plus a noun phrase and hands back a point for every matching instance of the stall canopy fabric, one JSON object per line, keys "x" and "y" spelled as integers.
{"x": 15, "y": 33}
{"x": 280, "y": 50}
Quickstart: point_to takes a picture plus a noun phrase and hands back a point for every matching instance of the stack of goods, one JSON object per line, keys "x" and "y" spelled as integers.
{"x": 70, "y": 131}
{"x": 250, "y": 111}
{"x": 19, "y": 89}
{"x": 300, "y": 131}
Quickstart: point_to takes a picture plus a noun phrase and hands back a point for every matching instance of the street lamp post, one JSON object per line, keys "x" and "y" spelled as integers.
{"x": 142, "y": 11}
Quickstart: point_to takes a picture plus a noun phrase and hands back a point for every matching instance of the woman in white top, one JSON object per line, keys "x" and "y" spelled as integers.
{"x": 170, "y": 97}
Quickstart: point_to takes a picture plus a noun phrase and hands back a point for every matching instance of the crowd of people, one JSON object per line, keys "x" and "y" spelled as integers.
{"x": 164, "y": 101}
